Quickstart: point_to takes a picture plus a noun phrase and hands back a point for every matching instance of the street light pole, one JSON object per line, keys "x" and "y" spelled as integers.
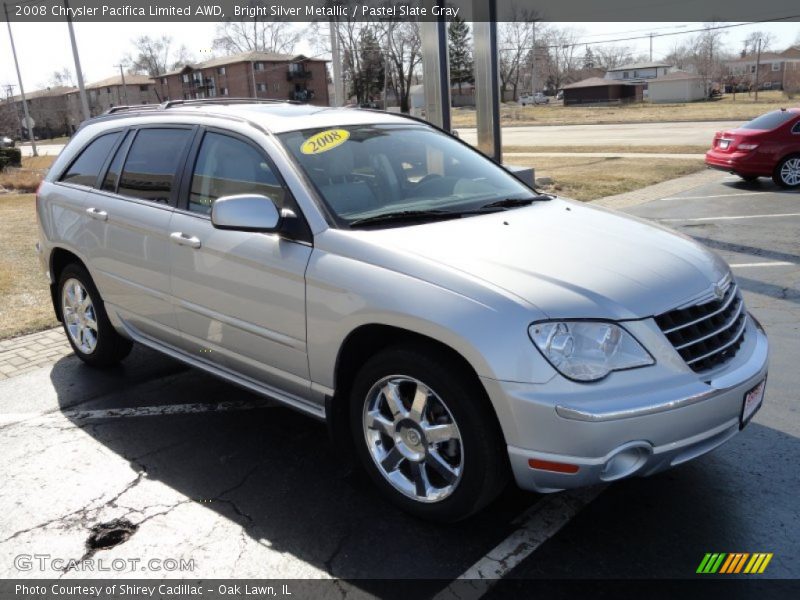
{"x": 78, "y": 71}
{"x": 758, "y": 64}
{"x": 21, "y": 88}
{"x": 124, "y": 87}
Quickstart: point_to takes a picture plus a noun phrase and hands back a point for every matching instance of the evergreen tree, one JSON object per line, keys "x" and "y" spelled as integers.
{"x": 460, "y": 53}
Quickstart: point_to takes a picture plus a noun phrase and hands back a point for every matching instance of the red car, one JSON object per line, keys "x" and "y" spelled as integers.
{"x": 767, "y": 146}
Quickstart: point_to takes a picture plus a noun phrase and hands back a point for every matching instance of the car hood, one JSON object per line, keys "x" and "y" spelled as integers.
{"x": 567, "y": 259}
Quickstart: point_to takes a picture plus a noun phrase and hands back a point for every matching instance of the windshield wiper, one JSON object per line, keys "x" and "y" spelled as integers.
{"x": 405, "y": 215}
{"x": 515, "y": 202}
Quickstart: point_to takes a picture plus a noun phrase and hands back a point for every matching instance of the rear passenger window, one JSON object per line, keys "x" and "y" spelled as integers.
{"x": 227, "y": 166}
{"x": 152, "y": 161}
{"x": 85, "y": 169}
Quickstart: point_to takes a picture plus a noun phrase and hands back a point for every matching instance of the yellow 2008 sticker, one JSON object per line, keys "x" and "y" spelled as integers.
{"x": 324, "y": 141}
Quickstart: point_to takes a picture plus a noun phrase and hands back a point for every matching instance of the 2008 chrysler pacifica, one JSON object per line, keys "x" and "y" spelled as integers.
{"x": 451, "y": 323}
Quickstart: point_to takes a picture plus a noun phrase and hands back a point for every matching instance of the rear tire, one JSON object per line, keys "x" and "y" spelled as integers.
{"x": 89, "y": 331}
{"x": 426, "y": 433}
{"x": 787, "y": 173}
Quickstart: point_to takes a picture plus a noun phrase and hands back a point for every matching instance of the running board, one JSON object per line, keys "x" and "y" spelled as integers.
{"x": 301, "y": 404}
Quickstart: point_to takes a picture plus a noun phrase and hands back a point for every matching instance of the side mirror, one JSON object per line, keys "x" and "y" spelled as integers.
{"x": 246, "y": 212}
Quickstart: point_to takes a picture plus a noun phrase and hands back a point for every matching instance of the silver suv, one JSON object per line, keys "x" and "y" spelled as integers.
{"x": 453, "y": 326}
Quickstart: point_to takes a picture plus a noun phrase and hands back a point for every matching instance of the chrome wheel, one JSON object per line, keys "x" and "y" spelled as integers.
{"x": 790, "y": 172}
{"x": 413, "y": 438}
{"x": 79, "y": 315}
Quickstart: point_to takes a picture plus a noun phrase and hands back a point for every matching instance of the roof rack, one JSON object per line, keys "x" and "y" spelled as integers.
{"x": 124, "y": 107}
{"x": 171, "y": 103}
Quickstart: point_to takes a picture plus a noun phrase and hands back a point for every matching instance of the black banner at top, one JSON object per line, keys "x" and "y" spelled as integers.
{"x": 400, "y": 10}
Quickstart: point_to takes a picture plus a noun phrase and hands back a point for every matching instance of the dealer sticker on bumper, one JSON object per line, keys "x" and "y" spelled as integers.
{"x": 752, "y": 402}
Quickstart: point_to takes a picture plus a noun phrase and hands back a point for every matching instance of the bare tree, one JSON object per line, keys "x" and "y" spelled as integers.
{"x": 750, "y": 43}
{"x": 404, "y": 54}
{"x": 257, "y": 35}
{"x": 563, "y": 56}
{"x": 515, "y": 41}
{"x": 62, "y": 77}
{"x": 611, "y": 56}
{"x": 9, "y": 121}
{"x": 707, "y": 53}
{"x": 154, "y": 56}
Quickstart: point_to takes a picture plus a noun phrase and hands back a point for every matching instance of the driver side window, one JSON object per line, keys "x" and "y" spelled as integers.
{"x": 226, "y": 166}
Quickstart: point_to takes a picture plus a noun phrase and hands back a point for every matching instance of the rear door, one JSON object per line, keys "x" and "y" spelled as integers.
{"x": 127, "y": 243}
{"x": 239, "y": 296}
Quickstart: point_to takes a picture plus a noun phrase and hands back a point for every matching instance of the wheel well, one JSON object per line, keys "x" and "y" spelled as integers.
{"x": 59, "y": 259}
{"x": 363, "y": 343}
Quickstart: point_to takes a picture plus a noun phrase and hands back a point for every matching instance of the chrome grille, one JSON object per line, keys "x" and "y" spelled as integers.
{"x": 707, "y": 334}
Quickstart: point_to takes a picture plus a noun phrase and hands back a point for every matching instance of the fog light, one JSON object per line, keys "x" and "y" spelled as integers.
{"x": 625, "y": 461}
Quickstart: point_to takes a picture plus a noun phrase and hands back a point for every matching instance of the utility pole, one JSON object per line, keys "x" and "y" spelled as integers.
{"x": 651, "y": 46}
{"x": 758, "y": 64}
{"x": 124, "y": 87}
{"x": 78, "y": 71}
{"x": 533, "y": 61}
{"x": 338, "y": 83}
{"x": 21, "y": 88}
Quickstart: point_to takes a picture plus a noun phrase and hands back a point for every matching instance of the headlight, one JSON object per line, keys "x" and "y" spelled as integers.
{"x": 588, "y": 350}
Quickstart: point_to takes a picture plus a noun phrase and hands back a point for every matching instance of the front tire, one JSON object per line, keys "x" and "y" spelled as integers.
{"x": 787, "y": 173}
{"x": 426, "y": 433}
{"x": 89, "y": 331}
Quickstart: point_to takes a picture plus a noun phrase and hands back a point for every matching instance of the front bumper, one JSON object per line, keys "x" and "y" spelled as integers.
{"x": 608, "y": 439}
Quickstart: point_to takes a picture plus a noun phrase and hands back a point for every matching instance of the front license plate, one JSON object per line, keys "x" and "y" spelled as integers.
{"x": 752, "y": 402}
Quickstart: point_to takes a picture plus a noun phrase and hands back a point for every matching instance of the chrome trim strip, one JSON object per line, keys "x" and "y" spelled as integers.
{"x": 733, "y": 295}
{"x": 733, "y": 340}
{"x": 727, "y": 325}
{"x": 582, "y": 415}
{"x": 302, "y": 404}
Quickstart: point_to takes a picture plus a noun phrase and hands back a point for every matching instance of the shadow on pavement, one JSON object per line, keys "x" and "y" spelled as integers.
{"x": 274, "y": 472}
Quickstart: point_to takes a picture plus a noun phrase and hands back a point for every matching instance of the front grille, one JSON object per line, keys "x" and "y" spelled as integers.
{"x": 708, "y": 334}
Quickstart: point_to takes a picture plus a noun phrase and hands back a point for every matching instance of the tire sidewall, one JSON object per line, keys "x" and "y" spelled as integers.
{"x": 467, "y": 407}
{"x": 776, "y": 176}
{"x": 108, "y": 348}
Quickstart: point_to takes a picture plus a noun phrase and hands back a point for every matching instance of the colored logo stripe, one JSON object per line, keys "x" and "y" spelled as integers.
{"x": 727, "y": 563}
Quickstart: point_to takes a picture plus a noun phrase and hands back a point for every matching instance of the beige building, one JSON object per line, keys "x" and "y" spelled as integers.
{"x": 677, "y": 86}
{"x": 48, "y": 110}
{"x": 107, "y": 93}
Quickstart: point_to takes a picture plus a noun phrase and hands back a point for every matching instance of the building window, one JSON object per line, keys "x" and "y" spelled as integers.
{"x": 142, "y": 88}
{"x": 220, "y": 70}
{"x": 276, "y": 86}
{"x": 185, "y": 78}
{"x": 163, "y": 81}
{"x": 223, "y": 91}
{"x": 259, "y": 66}
{"x": 261, "y": 87}
{"x": 752, "y": 68}
{"x": 108, "y": 90}
{"x": 776, "y": 66}
{"x": 625, "y": 75}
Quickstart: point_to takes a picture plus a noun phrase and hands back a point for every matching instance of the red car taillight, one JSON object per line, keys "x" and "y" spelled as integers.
{"x": 747, "y": 146}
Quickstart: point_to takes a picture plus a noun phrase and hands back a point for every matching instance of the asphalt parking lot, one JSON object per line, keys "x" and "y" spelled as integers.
{"x": 237, "y": 487}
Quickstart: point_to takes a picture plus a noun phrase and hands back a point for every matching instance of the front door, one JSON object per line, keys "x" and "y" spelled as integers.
{"x": 239, "y": 297}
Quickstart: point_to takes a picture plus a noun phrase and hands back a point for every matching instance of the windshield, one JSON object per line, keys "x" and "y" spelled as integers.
{"x": 364, "y": 171}
{"x": 771, "y": 120}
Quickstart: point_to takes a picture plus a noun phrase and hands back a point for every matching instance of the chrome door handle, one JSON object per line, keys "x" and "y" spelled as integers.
{"x": 98, "y": 214}
{"x": 183, "y": 239}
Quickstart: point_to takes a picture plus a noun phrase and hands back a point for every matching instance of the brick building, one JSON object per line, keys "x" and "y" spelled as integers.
{"x": 103, "y": 94}
{"x": 249, "y": 75}
{"x": 776, "y": 70}
{"x": 48, "y": 109}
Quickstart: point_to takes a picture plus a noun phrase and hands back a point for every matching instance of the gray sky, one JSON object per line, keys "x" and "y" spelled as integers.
{"x": 44, "y": 47}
